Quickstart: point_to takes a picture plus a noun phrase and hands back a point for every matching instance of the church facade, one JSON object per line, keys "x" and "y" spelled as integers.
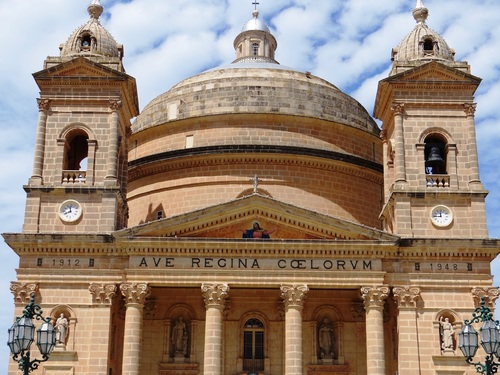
{"x": 254, "y": 219}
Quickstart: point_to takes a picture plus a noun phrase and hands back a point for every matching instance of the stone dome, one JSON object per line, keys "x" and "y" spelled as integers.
{"x": 92, "y": 38}
{"x": 422, "y": 43}
{"x": 255, "y": 88}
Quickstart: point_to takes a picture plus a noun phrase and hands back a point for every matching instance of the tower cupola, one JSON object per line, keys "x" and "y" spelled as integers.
{"x": 92, "y": 39}
{"x": 255, "y": 43}
{"x": 421, "y": 45}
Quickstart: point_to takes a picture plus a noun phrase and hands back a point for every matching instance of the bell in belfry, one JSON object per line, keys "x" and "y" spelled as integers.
{"x": 434, "y": 160}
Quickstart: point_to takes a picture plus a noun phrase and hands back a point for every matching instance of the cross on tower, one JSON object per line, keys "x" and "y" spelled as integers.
{"x": 255, "y": 3}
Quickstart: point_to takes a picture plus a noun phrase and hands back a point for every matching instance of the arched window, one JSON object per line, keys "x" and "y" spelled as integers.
{"x": 76, "y": 151}
{"x": 428, "y": 46}
{"x": 255, "y": 49}
{"x": 253, "y": 345}
{"x": 435, "y": 154}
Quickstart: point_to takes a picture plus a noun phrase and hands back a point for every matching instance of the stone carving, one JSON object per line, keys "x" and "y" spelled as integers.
{"x": 358, "y": 311}
{"x": 490, "y": 295}
{"x": 447, "y": 334}
{"x": 294, "y": 295}
{"x": 406, "y": 296}
{"x": 43, "y": 104}
{"x": 102, "y": 293}
{"x": 326, "y": 340}
{"x": 62, "y": 327}
{"x": 214, "y": 294}
{"x": 374, "y": 296}
{"x": 398, "y": 108}
{"x": 22, "y": 291}
{"x": 115, "y": 105}
{"x": 135, "y": 293}
{"x": 470, "y": 109}
{"x": 180, "y": 337}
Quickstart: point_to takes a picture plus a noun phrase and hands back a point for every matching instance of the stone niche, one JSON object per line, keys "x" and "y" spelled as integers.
{"x": 328, "y": 370}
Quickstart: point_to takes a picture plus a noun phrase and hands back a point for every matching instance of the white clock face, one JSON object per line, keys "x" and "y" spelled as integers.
{"x": 70, "y": 210}
{"x": 441, "y": 216}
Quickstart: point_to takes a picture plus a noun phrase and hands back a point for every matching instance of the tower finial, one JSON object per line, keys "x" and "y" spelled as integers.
{"x": 420, "y": 13}
{"x": 95, "y": 9}
{"x": 255, "y": 3}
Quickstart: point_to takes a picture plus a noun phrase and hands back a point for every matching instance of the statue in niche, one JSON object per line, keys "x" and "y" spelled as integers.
{"x": 447, "y": 332}
{"x": 179, "y": 337}
{"x": 326, "y": 340}
{"x": 62, "y": 326}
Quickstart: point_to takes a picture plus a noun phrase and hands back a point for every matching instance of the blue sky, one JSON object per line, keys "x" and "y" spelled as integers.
{"x": 347, "y": 42}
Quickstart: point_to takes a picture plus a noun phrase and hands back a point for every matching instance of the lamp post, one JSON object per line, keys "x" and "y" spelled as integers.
{"x": 21, "y": 336}
{"x": 489, "y": 334}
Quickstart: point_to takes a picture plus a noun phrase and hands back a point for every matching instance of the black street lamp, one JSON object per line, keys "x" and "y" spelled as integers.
{"x": 490, "y": 340}
{"x": 22, "y": 333}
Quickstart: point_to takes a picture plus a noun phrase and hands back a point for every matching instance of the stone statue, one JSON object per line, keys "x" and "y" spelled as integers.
{"x": 61, "y": 330}
{"x": 179, "y": 337}
{"x": 447, "y": 332}
{"x": 326, "y": 340}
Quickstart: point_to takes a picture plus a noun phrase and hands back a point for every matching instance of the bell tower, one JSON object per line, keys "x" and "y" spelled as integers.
{"x": 79, "y": 177}
{"x": 432, "y": 187}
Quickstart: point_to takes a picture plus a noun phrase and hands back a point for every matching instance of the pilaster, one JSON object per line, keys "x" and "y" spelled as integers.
{"x": 406, "y": 300}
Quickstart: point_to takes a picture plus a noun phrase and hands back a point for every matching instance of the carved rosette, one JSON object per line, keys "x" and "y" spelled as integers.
{"x": 374, "y": 296}
{"x": 214, "y": 294}
{"x": 470, "y": 109}
{"x": 23, "y": 291}
{"x": 102, "y": 293}
{"x": 115, "y": 105}
{"x": 358, "y": 312}
{"x": 43, "y": 104}
{"x": 490, "y": 296}
{"x": 406, "y": 296}
{"x": 135, "y": 293}
{"x": 293, "y": 295}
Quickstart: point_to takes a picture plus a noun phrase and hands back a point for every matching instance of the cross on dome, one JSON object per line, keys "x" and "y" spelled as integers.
{"x": 255, "y": 3}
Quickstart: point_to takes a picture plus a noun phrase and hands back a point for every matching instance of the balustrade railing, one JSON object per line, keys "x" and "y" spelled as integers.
{"x": 74, "y": 177}
{"x": 437, "y": 181}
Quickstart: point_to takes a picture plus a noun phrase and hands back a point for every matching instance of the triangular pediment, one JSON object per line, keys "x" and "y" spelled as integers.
{"x": 78, "y": 67}
{"x": 433, "y": 71}
{"x": 230, "y": 220}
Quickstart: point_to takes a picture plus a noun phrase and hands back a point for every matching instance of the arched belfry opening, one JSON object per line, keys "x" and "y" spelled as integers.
{"x": 76, "y": 151}
{"x": 435, "y": 154}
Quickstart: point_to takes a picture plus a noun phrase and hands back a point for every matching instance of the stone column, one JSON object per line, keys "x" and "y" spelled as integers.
{"x": 43, "y": 108}
{"x": 399, "y": 144}
{"x": 135, "y": 296}
{"x": 406, "y": 299}
{"x": 215, "y": 297}
{"x": 293, "y": 297}
{"x": 470, "y": 111}
{"x": 112, "y": 164}
{"x": 374, "y": 298}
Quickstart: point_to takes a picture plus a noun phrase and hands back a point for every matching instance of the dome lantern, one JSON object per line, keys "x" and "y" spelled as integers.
{"x": 255, "y": 43}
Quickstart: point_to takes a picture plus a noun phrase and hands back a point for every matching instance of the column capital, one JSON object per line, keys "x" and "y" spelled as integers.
{"x": 115, "y": 105}
{"x": 23, "y": 291}
{"x": 214, "y": 294}
{"x": 406, "y": 296}
{"x": 102, "y": 294}
{"x": 374, "y": 296}
{"x": 43, "y": 104}
{"x": 470, "y": 109}
{"x": 135, "y": 293}
{"x": 490, "y": 296}
{"x": 398, "y": 108}
{"x": 293, "y": 295}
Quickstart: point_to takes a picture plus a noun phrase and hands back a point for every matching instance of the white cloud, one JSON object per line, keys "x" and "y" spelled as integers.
{"x": 347, "y": 42}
